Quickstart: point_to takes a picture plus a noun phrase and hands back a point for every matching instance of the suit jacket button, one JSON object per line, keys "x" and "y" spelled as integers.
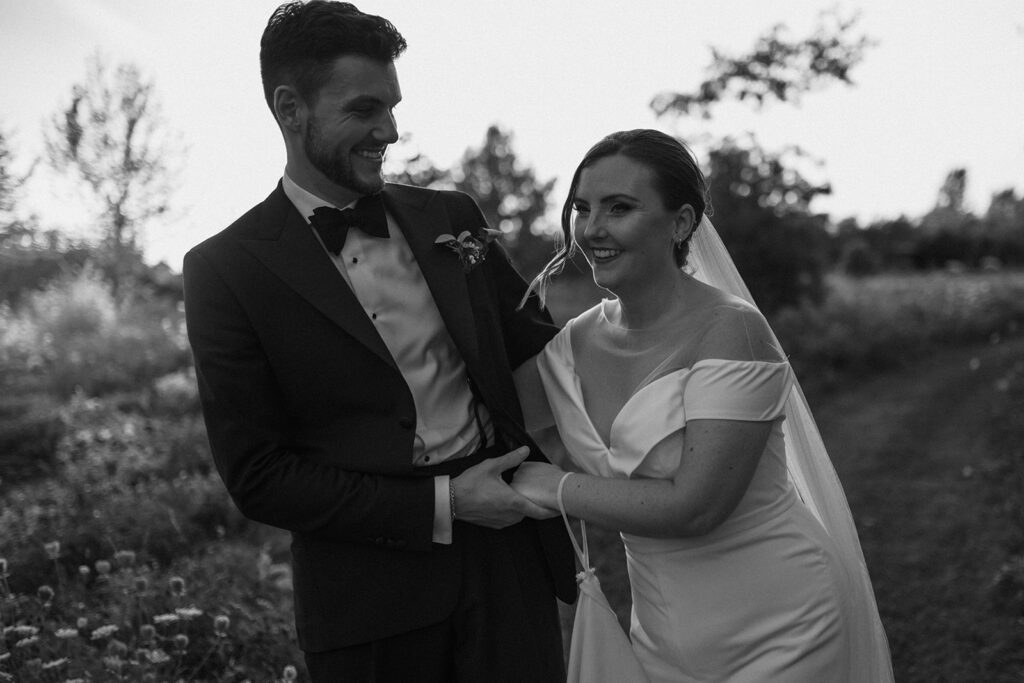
{"x": 405, "y": 423}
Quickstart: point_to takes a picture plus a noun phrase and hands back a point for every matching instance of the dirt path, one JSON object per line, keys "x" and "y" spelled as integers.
{"x": 915, "y": 453}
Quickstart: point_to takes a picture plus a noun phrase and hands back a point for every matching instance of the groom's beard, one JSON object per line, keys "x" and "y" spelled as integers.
{"x": 336, "y": 165}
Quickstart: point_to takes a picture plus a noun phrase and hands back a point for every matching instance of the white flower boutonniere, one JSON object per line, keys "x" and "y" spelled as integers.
{"x": 471, "y": 249}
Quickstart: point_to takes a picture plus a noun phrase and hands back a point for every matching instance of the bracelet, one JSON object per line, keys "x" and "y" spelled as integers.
{"x": 558, "y": 494}
{"x": 451, "y": 498}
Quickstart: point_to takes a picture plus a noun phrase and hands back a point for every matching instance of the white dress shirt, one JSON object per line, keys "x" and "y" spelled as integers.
{"x": 387, "y": 281}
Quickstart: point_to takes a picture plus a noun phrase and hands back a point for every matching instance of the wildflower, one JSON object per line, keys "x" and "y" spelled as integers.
{"x": 82, "y": 623}
{"x": 3, "y": 568}
{"x": 66, "y": 633}
{"x": 181, "y": 642}
{"x": 159, "y": 656}
{"x": 147, "y": 632}
{"x": 83, "y": 571}
{"x": 25, "y": 642}
{"x": 165, "y": 618}
{"x": 117, "y": 648}
{"x": 24, "y": 631}
{"x": 125, "y": 558}
{"x": 104, "y": 631}
{"x": 44, "y": 593}
{"x": 188, "y": 612}
{"x": 177, "y": 585}
{"x": 52, "y": 549}
{"x": 221, "y": 625}
{"x": 54, "y": 663}
{"x": 102, "y": 567}
{"x": 289, "y": 674}
{"x": 114, "y": 664}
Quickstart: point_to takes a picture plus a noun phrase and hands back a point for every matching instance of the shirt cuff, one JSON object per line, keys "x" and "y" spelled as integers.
{"x": 442, "y": 511}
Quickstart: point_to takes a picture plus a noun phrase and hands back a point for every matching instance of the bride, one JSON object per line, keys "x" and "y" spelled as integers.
{"x": 684, "y": 428}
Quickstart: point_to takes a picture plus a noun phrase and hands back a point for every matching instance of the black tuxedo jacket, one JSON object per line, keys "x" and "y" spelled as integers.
{"x": 311, "y": 423}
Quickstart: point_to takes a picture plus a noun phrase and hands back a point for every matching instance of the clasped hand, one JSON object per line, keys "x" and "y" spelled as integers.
{"x": 538, "y": 482}
{"x": 482, "y": 497}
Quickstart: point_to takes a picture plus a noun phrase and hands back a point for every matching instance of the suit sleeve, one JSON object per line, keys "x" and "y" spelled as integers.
{"x": 247, "y": 425}
{"x": 525, "y": 330}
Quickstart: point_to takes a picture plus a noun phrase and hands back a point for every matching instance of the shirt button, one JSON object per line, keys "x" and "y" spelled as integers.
{"x": 355, "y": 259}
{"x": 426, "y": 458}
{"x": 374, "y": 316}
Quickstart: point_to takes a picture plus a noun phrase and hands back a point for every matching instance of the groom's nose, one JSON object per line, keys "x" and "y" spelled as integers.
{"x": 387, "y": 130}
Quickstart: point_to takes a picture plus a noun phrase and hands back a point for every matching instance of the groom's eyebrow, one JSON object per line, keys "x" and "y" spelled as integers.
{"x": 369, "y": 100}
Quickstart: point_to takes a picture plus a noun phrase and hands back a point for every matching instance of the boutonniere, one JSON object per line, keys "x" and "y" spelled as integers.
{"x": 471, "y": 249}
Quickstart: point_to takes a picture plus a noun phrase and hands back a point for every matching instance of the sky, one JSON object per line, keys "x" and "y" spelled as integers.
{"x": 942, "y": 88}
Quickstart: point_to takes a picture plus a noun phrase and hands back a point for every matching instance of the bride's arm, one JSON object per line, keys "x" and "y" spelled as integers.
{"x": 538, "y": 418}
{"x": 718, "y": 462}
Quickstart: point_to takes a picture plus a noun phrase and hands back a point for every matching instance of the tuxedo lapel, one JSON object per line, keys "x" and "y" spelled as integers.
{"x": 285, "y": 244}
{"x": 422, "y": 218}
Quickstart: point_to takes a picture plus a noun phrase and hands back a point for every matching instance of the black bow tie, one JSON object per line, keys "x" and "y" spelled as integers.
{"x": 332, "y": 224}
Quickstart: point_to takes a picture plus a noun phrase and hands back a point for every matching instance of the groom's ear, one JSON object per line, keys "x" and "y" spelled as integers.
{"x": 289, "y": 108}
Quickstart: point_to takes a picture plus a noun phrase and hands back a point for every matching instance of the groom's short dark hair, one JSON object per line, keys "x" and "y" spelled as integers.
{"x": 302, "y": 39}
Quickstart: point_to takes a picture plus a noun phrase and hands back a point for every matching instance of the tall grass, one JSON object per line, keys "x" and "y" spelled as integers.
{"x": 871, "y": 324}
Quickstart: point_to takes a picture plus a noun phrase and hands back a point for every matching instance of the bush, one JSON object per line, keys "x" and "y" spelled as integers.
{"x": 30, "y": 428}
{"x": 75, "y": 336}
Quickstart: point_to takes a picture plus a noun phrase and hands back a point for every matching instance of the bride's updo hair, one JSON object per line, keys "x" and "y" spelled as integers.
{"x": 677, "y": 180}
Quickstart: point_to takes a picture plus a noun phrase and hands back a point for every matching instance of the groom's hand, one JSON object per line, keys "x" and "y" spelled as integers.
{"x": 482, "y": 497}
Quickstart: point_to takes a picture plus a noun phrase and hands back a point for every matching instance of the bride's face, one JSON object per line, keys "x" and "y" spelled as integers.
{"x": 621, "y": 224}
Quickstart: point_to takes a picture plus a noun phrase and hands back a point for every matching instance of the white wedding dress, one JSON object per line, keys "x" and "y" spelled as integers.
{"x": 763, "y": 597}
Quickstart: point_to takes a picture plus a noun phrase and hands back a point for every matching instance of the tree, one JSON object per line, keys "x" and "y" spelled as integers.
{"x": 761, "y": 199}
{"x": 776, "y": 68}
{"x": 509, "y": 194}
{"x": 761, "y": 207}
{"x": 111, "y": 136}
{"x": 511, "y": 197}
{"x": 13, "y": 230}
{"x": 1004, "y": 222}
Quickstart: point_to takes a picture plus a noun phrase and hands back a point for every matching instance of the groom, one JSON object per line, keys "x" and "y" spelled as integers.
{"x": 356, "y": 381}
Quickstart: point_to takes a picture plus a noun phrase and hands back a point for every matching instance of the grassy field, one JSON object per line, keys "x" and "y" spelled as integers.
{"x": 121, "y": 555}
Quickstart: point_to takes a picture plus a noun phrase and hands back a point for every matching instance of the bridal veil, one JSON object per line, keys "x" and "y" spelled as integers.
{"x": 812, "y": 474}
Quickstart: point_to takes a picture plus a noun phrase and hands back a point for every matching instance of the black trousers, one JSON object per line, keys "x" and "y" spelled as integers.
{"x": 505, "y": 627}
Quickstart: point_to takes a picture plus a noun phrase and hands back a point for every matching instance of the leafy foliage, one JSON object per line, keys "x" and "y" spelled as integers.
{"x": 777, "y": 68}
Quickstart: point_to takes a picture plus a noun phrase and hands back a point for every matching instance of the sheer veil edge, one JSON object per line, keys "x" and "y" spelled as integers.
{"x": 813, "y": 476}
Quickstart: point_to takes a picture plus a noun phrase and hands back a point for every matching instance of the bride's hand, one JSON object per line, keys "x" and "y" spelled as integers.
{"x": 538, "y": 481}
